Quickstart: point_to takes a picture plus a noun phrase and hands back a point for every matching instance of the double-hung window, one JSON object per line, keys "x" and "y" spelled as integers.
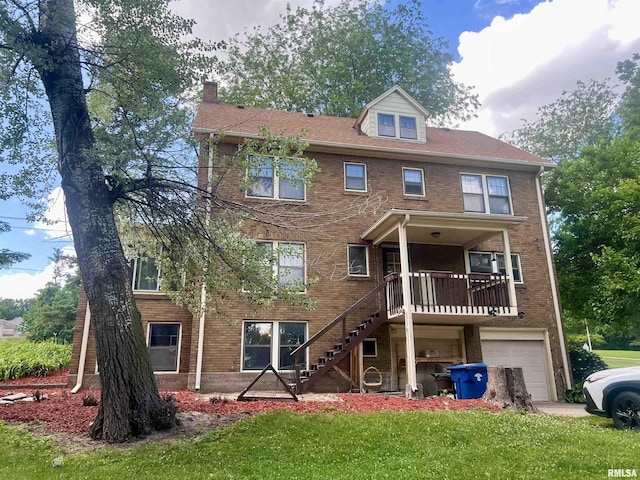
{"x": 357, "y": 259}
{"x": 413, "y": 181}
{"x": 146, "y": 274}
{"x": 485, "y": 193}
{"x": 355, "y": 177}
{"x": 287, "y": 262}
{"x": 386, "y": 125}
{"x": 277, "y": 180}
{"x": 408, "y": 128}
{"x": 164, "y": 346}
{"x": 265, "y": 343}
{"x": 488, "y": 262}
{"x": 515, "y": 266}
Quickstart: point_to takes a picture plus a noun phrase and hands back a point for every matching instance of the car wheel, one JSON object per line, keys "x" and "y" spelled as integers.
{"x": 626, "y": 411}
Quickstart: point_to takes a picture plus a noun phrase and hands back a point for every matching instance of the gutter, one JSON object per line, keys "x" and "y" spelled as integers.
{"x": 83, "y": 349}
{"x": 203, "y": 291}
{"x": 552, "y": 279}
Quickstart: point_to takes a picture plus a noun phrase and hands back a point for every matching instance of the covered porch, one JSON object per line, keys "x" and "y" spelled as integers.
{"x": 436, "y": 284}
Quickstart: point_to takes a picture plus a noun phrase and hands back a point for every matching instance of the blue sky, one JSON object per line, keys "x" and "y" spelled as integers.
{"x": 518, "y": 54}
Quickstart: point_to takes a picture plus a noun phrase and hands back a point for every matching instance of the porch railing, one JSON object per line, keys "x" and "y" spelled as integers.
{"x": 452, "y": 293}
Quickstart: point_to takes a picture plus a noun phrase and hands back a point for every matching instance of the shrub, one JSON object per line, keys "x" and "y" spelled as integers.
{"x": 23, "y": 359}
{"x": 584, "y": 363}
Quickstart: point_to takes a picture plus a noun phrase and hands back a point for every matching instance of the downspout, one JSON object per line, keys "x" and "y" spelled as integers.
{"x": 552, "y": 280}
{"x": 410, "y": 354}
{"x": 203, "y": 291}
{"x": 83, "y": 349}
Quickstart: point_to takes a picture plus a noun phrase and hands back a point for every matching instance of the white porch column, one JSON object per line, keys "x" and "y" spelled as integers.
{"x": 405, "y": 275}
{"x": 508, "y": 265}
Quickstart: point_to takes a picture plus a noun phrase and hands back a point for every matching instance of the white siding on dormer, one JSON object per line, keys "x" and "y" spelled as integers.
{"x": 366, "y": 128}
{"x": 394, "y": 104}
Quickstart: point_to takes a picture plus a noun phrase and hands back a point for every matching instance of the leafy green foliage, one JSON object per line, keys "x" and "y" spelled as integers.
{"x": 596, "y": 199}
{"x": 575, "y": 120}
{"x": 11, "y": 308}
{"x": 53, "y": 313}
{"x": 7, "y": 257}
{"x": 597, "y": 340}
{"x": 334, "y": 60}
{"x": 22, "y": 359}
{"x": 584, "y": 363}
{"x": 205, "y": 244}
{"x": 629, "y": 109}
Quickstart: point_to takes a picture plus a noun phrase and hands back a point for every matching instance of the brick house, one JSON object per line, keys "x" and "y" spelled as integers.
{"x": 427, "y": 246}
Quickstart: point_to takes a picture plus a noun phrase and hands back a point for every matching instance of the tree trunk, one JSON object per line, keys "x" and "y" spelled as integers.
{"x": 506, "y": 389}
{"x": 130, "y": 404}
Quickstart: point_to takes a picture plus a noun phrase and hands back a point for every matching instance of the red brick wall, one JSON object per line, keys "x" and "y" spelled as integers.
{"x": 329, "y": 220}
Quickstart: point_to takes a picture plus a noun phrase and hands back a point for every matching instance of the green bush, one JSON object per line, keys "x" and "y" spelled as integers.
{"x": 23, "y": 359}
{"x": 584, "y": 363}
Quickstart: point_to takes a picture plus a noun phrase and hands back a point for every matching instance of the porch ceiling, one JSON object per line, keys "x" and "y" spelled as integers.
{"x": 439, "y": 228}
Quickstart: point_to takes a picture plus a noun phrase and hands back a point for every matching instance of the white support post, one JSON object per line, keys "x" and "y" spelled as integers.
{"x": 508, "y": 265}
{"x": 405, "y": 275}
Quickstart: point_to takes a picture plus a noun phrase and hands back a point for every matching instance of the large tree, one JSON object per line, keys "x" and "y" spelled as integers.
{"x": 577, "y": 119}
{"x": 594, "y": 198}
{"x": 334, "y": 60}
{"x": 132, "y": 52}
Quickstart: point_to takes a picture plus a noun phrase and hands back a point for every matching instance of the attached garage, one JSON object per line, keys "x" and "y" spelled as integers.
{"x": 524, "y": 349}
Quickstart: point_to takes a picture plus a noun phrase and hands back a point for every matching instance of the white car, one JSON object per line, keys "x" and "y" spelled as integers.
{"x": 615, "y": 394}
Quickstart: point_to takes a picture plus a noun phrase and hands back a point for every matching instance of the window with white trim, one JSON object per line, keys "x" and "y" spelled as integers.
{"x": 288, "y": 262}
{"x": 358, "y": 260}
{"x": 355, "y": 177}
{"x": 386, "y": 125}
{"x": 281, "y": 181}
{"x": 408, "y": 128}
{"x": 485, "y": 193}
{"x": 164, "y": 346}
{"x": 413, "y": 181}
{"x": 146, "y": 274}
{"x": 493, "y": 262}
{"x": 265, "y": 343}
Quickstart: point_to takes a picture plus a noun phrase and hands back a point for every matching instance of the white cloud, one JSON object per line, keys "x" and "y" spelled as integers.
{"x": 220, "y": 19}
{"x": 524, "y": 62}
{"x": 55, "y": 223}
{"x": 26, "y": 285}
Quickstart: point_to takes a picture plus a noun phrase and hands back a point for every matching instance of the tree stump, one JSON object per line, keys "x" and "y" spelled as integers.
{"x": 506, "y": 389}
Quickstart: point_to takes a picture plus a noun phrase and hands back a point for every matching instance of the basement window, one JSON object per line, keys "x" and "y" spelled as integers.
{"x": 164, "y": 346}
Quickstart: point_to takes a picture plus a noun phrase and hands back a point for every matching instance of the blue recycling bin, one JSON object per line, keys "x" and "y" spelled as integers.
{"x": 470, "y": 379}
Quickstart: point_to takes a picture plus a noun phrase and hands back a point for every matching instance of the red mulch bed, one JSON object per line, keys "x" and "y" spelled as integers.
{"x": 63, "y": 412}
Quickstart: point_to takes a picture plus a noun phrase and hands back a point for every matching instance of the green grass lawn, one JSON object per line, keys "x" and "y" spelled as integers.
{"x": 620, "y": 358}
{"x": 416, "y": 445}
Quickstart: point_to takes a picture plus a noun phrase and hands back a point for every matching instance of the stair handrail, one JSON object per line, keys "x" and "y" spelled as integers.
{"x": 387, "y": 279}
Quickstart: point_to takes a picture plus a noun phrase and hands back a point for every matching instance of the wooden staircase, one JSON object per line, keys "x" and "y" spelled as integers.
{"x": 339, "y": 351}
{"x": 348, "y": 341}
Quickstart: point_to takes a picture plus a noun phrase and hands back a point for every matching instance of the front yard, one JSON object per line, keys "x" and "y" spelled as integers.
{"x": 336, "y": 445}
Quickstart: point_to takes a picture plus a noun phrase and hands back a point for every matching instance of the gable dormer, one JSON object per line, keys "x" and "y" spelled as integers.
{"x": 394, "y": 115}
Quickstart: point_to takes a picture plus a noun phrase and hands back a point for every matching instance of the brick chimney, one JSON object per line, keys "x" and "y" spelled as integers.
{"x": 210, "y": 92}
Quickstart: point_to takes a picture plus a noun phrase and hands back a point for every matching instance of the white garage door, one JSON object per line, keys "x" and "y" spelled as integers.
{"x": 526, "y": 354}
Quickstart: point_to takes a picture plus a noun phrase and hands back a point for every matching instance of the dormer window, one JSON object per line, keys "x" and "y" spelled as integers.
{"x": 389, "y": 125}
{"x": 386, "y": 125}
{"x": 408, "y": 128}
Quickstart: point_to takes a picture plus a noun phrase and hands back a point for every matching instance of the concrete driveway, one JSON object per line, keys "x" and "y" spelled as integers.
{"x": 562, "y": 409}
